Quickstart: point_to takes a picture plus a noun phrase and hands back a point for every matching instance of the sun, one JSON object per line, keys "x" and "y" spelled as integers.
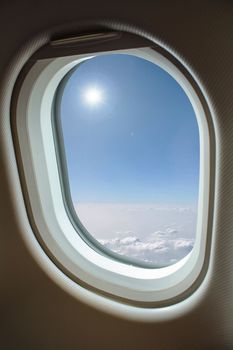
{"x": 93, "y": 96}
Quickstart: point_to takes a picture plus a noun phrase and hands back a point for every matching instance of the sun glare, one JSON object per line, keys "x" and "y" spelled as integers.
{"x": 93, "y": 96}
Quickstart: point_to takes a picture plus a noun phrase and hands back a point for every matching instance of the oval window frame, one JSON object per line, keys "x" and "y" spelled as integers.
{"x": 133, "y": 285}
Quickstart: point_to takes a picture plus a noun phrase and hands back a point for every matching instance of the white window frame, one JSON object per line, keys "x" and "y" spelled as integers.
{"x": 120, "y": 281}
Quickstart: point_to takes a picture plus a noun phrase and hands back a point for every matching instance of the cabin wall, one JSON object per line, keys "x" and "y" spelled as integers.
{"x": 35, "y": 313}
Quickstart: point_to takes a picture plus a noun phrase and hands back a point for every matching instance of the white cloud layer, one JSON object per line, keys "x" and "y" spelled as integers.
{"x": 157, "y": 250}
{"x": 149, "y": 233}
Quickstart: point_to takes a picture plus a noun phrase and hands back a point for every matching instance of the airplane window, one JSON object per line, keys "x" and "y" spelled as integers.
{"x": 130, "y": 145}
{"x": 117, "y": 149}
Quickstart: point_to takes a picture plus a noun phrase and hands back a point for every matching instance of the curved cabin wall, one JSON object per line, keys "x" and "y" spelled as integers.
{"x": 35, "y": 312}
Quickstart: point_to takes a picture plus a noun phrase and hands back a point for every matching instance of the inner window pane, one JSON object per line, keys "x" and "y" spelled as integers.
{"x": 131, "y": 143}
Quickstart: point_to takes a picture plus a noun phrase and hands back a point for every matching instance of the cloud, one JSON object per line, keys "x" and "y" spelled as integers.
{"x": 159, "y": 249}
{"x": 161, "y": 235}
{"x": 171, "y": 231}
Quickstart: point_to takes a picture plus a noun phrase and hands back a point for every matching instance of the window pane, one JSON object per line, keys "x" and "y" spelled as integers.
{"x": 131, "y": 144}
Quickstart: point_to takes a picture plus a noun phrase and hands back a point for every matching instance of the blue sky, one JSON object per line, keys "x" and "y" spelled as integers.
{"x": 138, "y": 144}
